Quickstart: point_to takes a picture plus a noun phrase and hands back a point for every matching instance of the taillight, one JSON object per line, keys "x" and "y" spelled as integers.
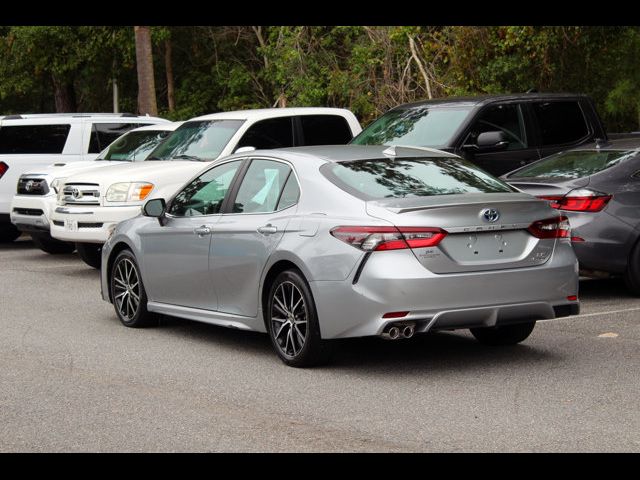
{"x": 580, "y": 200}
{"x": 389, "y": 238}
{"x": 3, "y": 168}
{"x": 557, "y": 227}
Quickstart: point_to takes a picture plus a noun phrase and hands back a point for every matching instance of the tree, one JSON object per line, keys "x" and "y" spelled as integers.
{"x": 146, "y": 81}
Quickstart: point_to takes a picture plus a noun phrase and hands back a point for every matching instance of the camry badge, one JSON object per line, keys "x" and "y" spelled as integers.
{"x": 490, "y": 215}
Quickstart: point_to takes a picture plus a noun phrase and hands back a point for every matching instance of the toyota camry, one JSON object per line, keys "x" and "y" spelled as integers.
{"x": 313, "y": 244}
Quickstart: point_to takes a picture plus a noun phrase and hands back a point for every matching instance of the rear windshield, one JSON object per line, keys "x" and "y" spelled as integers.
{"x": 573, "y": 164}
{"x": 413, "y": 177}
{"x": 414, "y": 127}
{"x": 133, "y": 146}
{"x": 199, "y": 140}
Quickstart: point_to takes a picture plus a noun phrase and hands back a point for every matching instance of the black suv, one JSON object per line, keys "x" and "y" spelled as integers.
{"x": 497, "y": 132}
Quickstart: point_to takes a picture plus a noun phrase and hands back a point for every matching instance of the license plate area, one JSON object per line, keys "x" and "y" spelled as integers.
{"x": 71, "y": 225}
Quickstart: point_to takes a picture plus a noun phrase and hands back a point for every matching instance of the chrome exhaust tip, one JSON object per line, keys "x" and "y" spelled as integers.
{"x": 407, "y": 332}
{"x": 394, "y": 333}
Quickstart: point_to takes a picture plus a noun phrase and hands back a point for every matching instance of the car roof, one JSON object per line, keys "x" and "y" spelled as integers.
{"x": 170, "y": 127}
{"x": 348, "y": 153}
{"x": 483, "y": 99}
{"x": 262, "y": 113}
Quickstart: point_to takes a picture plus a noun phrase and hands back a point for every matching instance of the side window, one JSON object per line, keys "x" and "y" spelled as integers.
{"x": 33, "y": 138}
{"x": 325, "y": 130}
{"x": 290, "y": 193}
{"x": 502, "y": 118}
{"x": 261, "y": 187}
{"x": 103, "y": 134}
{"x": 204, "y": 196}
{"x": 267, "y": 134}
{"x": 560, "y": 122}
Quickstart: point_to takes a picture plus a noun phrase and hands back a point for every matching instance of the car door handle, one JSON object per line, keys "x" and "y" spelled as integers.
{"x": 202, "y": 231}
{"x": 267, "y": 229}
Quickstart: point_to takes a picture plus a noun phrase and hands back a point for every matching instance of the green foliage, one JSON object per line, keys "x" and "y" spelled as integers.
{"x": 366, "y": 69}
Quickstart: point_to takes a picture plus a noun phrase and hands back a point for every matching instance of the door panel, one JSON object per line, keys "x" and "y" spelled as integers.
{"x": 244, "y": 239}
{"x": 176, "y": 254}
{"x": 239, "y": 253}
{"x": 176, "y": 262}
{"x": 512, "y": 120}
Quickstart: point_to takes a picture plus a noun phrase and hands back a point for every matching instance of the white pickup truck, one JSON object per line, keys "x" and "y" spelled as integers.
{"x": 34, "y": 141}
{"x": 37, "y": 191}
{"x": 92, "y": 203}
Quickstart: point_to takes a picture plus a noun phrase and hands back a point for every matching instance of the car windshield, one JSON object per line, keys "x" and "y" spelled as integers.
{"x": 427, "y": 126}
{"x": 198, "y": 140}
{"x": 411, "y": 177}
{"x": 573, "y": 164}
{"x": 133, "y": 146}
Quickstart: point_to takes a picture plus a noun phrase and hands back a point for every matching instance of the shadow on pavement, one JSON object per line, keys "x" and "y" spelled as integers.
{"x": 599, "y": 289}
{"x": 434, "y": 352}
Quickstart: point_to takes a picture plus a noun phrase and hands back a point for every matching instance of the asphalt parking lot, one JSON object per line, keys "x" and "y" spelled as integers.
{"x": 72, "y": 378}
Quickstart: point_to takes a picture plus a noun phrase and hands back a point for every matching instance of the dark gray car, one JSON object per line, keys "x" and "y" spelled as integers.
{"x": 597, "y": 187}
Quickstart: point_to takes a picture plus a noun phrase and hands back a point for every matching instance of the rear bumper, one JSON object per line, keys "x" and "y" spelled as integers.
{"x": 395, "y": 282}
{"x": 94, "y": 222}
{"x": 32, "y": 213}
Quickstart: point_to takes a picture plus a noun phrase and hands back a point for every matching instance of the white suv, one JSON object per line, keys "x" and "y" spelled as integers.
{"x": 37, "y": 193}
{"x": 28, "y": 142}
{"x": 92, "y": 203}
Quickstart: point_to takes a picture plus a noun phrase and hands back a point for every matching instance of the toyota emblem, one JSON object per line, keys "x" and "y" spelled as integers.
{"x": 490, "y": 215}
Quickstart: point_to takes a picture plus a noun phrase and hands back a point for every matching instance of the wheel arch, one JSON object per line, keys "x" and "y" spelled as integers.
{"x": 115, "y": 250}
{"x": 271, "y": 272}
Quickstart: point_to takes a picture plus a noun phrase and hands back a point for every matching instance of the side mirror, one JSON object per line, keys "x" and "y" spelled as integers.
{"x": 155, "y": 208}
{"x": 245, "y": 149}
{"x": 492, "y": 141}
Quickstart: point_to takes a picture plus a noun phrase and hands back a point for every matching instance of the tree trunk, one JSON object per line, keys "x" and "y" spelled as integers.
{"x": 64, "y": 95}
{"x": 168, "y": 65}
{"x": 146, "y": 82}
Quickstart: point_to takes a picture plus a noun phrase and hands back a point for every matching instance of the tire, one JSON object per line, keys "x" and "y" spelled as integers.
{"x": 90, "y": 253}
{"x": 8, "y": 233}
{"x": 632, "y": 275}
{"x": 126, "y": 273}
{"x": 295, "y": 336}
{"x": 505, "y": 335}
{"x": 48, "y": 244}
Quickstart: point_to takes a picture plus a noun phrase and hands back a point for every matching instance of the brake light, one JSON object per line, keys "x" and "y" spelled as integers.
{"x": 581, "y": 200}
{"x": 3, "y": 168}
{"x": 557, "y": 227}
{"x": 372, "y": 239}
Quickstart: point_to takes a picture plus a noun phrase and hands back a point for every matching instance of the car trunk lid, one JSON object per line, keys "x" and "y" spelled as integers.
{"x": 485, "y": 231}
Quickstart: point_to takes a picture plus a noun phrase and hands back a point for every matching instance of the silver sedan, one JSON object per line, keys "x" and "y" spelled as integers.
{"x": 317, "y": 243}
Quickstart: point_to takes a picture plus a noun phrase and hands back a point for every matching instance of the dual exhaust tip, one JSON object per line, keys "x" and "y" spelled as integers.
{"x": 398, "y": 331}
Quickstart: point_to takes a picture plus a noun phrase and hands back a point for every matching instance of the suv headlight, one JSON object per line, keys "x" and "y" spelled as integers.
{"x": 128, "y": 192}
{"x": 58, "y": 184}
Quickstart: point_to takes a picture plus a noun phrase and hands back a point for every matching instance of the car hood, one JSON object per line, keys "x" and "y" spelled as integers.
{"x": 150, "y": 171}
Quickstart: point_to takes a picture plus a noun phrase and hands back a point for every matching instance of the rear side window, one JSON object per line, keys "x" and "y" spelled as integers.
{"x": 325, "y": 130}
{"x": 560, "y": 122}
{"x": 573, "y": 164}
{"x": 261, "y": 187}
{"x": 410, "y": 177}
{"x": 103, "y": 134}
{"x": 33, "y": 138}
{"x": 267, "y": 134}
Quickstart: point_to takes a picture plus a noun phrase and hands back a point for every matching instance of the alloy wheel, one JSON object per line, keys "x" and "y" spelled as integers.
{"x": 289, "y": 318}
{"x": 126, "y": 286}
